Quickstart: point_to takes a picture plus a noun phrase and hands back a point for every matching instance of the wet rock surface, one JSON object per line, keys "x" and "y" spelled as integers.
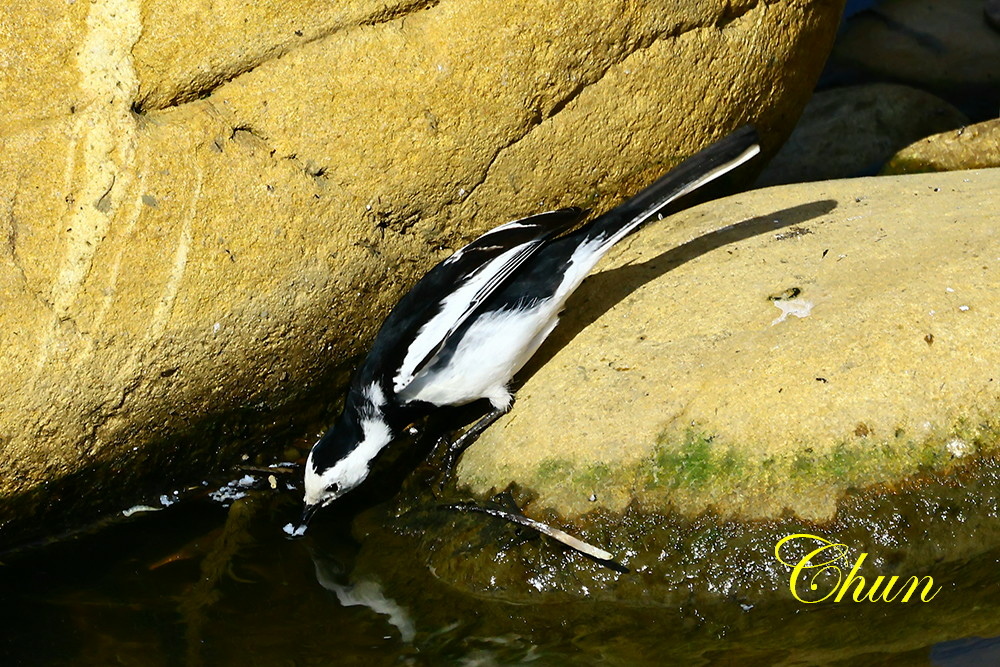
{"x": 236, "y": 591}
{"x": 911, "y": 527}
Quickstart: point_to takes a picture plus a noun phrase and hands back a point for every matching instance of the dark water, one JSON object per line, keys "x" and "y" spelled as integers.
{"x": 199, "y": 583}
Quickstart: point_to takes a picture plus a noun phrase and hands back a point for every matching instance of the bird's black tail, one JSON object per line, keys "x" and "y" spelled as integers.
{"x": 701, "y": 168}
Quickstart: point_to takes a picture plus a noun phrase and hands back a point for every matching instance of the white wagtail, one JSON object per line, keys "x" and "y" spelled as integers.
{"x": 476, "y": 318}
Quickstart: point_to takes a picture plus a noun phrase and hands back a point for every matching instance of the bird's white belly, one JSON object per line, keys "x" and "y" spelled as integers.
{"x": 493, "y": 349}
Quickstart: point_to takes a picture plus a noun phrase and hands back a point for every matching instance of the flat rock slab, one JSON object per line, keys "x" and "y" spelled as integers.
{"x": 834, "y": 335}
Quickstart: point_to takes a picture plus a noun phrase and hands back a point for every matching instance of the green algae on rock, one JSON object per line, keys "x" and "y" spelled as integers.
{"x": 677, "y": 379}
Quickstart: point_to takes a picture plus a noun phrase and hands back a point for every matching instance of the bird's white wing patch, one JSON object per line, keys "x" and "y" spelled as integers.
{"x": 455, "y": 308}
{"x": 494, "y": 347}
{"x": 373, "y": 393}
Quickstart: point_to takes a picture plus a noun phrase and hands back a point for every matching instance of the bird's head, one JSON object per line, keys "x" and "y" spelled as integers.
{"x": 340, "y": 461}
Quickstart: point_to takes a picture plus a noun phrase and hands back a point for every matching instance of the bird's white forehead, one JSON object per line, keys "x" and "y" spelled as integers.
{"x": 316, "y": 482}
{"x": 351, "y": 470}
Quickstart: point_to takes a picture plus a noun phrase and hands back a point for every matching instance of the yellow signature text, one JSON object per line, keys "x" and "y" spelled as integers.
{"x": 819, "y": 575}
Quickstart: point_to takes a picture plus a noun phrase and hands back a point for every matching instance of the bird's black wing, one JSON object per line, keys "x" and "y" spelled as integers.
{"x": 560, "y": 265}
{"x": 445, "y": 296}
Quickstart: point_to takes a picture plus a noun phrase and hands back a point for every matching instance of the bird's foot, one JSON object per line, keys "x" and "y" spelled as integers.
{"x": 455, "y": 449}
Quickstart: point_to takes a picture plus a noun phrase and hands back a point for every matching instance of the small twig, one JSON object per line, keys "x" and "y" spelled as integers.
{"x": 572, "y": 542}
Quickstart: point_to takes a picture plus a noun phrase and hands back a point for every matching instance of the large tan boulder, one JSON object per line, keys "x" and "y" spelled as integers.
{"x": 207, "y": 210}
{"x": 835, "y": 336}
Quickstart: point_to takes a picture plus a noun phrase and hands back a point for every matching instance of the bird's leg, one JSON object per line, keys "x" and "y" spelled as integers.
{"x": 462, "y": 443}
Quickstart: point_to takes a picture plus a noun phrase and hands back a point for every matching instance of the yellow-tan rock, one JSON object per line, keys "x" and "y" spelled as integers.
{"x": 972, "y": 147}
{"x": 207, "y": 210}
{"x": 830, "y": 336}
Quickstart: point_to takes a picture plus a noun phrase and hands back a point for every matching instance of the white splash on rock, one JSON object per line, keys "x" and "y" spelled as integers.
{"x": 136, "y": 509}
{"x": 294, "y": 531}
{"x": 798, "y": 307}
{"x": 958, "y": 448}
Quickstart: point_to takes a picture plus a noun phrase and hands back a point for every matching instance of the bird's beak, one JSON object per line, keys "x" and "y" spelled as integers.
{"x": 307, "y": 513}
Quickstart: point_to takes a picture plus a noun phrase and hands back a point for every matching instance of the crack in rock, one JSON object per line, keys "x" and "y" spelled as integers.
{"x": 203, "y": 84}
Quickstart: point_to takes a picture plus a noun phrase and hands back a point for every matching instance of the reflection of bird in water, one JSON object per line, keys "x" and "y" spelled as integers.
{"x": 364, "y": 593}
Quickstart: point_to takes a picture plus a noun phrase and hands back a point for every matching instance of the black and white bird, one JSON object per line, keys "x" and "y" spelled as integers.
{"x": 463, "y": 331}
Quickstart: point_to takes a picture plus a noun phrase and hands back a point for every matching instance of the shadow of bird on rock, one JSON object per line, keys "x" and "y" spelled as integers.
{"x": 603, "y": 291}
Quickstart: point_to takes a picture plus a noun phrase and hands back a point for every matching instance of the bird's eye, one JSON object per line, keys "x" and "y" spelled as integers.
{"x": 332, "y": 493}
